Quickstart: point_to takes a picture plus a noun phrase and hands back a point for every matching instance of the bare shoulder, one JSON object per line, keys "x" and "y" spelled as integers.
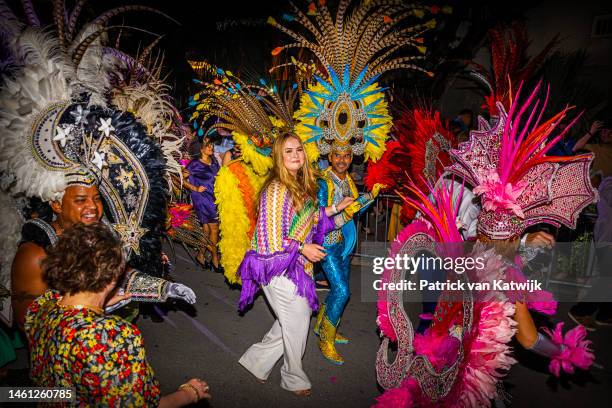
{"x": 27, "y": 262}
{"x": 27, "y": 281}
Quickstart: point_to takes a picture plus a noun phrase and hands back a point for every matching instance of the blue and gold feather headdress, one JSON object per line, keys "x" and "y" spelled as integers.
{"x": 350, "y": 112}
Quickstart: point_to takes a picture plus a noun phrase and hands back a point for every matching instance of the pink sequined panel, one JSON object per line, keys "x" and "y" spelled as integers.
{"x": 556, "y": 193}
{"x": 390, "y": 375}
{"x": 538, "y": 191}
{"x": 571, "y": 193}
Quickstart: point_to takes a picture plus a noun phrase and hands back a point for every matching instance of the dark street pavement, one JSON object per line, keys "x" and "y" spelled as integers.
{"x": 207, "y": 340}
{"x": 209, "y": 344}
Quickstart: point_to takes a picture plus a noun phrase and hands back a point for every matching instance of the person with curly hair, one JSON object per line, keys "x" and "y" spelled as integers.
{"x": 78, "y": 204}
{"x": 73, "y": 343}
{"x": 128, "y": 192}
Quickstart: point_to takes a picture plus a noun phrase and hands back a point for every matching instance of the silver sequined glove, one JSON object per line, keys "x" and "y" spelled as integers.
{"x": 180, "y": 291}
{"x": 118, "y": 305}
{"x": 545, "y": 347}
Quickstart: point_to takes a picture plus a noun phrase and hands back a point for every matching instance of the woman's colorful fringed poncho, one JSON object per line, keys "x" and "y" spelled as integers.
{"x": 274, "y": 249}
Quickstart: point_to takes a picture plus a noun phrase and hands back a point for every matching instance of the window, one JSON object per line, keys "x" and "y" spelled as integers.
{"x": 602, "y": 27}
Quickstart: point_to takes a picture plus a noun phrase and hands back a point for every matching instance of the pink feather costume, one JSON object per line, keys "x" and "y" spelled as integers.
{"x": 520, "y": 186}
{"x": 486, "y": 327}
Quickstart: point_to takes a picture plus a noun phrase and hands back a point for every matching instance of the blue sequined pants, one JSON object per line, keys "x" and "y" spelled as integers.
{"x": 337, "y": 270}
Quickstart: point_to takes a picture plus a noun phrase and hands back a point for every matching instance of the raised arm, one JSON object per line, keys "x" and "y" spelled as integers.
{"x": 588, "y": 135}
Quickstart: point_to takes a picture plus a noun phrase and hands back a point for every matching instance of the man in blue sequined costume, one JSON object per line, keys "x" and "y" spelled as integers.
{"x": 334, "y": 185}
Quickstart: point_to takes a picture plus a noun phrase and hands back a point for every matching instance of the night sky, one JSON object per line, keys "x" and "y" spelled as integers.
{"x": 229, "y": 34}
{"x": 234, "y": 35}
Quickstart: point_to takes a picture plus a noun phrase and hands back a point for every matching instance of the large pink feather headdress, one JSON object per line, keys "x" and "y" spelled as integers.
{"x": 435, "y": 231}
{"x": 520, "y": 186}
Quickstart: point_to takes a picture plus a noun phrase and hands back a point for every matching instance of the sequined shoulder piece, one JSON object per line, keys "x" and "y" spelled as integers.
{"x": 40, "y": 232}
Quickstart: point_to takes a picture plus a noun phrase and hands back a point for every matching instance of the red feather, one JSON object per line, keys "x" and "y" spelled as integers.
{"x": 404, "y": 160}
{"x": 510, "y": 64}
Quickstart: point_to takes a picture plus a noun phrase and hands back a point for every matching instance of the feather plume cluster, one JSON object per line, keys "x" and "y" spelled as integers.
{"x": 345, "y": 107}
{"x": 59, "y": 64}
{"x": 510, "y": 65}
{"x": 40, "y": 81}
{"x": 418, "y": 153}
{"x": 65, "y": 63}
{"x": 236, "y": 190}
{"x": 368, "y": 34}
{"x": 138, "y": 87}
{"x": 253, "y": 114}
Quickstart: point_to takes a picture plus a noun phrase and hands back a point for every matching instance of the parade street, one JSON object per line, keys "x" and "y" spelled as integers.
{"x": 208, "y": 340}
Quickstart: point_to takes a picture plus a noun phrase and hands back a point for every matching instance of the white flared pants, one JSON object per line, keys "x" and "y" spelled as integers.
{"x": 287, "y": 337}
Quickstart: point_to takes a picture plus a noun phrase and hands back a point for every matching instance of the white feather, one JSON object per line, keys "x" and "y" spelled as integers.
{"x": 150, "y": 102}
{"x": 94, "y": 69}
{"x": 10, "y": 225}
{"x": 39, "y": 83}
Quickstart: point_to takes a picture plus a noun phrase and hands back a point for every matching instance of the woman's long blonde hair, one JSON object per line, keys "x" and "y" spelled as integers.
{"x": 301, "y": 187}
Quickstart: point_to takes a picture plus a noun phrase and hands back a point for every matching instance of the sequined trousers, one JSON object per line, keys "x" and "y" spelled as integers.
{"x": 337, "y": 270}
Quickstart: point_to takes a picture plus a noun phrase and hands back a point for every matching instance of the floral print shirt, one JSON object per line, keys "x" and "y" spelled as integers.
{"x": 102, "y": 356}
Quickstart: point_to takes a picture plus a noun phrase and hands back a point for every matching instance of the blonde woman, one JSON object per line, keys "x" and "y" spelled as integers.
{"x": 286, "y": 242}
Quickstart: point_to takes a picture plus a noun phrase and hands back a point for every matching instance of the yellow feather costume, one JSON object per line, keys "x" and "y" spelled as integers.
{"x": 254, "y": 115}
{"x": 236, "y": 191}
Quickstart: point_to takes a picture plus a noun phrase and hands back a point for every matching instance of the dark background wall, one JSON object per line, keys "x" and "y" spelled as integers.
{"x": 233, "y": 34}
{"x": 574, "y": 21}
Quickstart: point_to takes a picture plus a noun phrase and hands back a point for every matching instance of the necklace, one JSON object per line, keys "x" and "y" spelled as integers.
{"x": 95, "y": 309}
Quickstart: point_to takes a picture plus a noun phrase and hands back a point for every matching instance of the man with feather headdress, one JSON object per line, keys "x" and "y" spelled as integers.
{"x": 66, "y": 145}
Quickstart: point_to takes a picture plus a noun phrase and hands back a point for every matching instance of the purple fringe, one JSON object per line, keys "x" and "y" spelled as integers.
{"x": 325, "y": 225}
{"x": 257, "y": 270}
